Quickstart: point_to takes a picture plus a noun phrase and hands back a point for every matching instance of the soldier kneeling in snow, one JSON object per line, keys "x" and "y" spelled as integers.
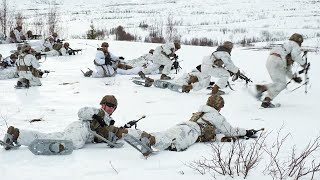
{"x": 27, "y": 65}
{"x": 79, "y": 132}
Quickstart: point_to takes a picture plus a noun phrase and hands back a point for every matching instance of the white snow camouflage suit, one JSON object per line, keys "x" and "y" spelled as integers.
{"x": 103, "y": 70}
{"x": 278, "y": 69}
{"x": 77, "y": 132}
{"x": 28, "y": 60}
{"x": 183, "y": 135}
{"x": 209, "y": 68}
{"x": 161, "y": 57}
{"x": 203, "y": 80}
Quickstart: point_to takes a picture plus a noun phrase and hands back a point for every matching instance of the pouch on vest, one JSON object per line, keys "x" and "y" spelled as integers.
{"x": 289, "y": 60}
{"x": 35, "y": 72}
{"x": 57, "y": 46}
{"x": 207, "y": 129}
{"x": 195, "y": 116}
{"x": 218, "y": 63}
{"x": 208, "y": 133}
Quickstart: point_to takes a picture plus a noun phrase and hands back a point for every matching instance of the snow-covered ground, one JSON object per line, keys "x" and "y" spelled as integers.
{"x": 58, "y": 105}
{"x": 217, "y": 20}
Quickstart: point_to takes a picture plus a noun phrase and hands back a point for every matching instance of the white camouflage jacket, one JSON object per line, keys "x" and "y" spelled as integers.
{"x": 289, "y": 47}
{"x": 221, "y": 124}
{"x": 224, "y": 56}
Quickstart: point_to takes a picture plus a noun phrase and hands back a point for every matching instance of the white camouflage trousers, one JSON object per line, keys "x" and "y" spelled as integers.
{"x": 180, "y": 136}
{"x": 277, "y": 71}
{"x": 217, "y": 72}
{"x": 159, "y": 60}
{"x": 34, "y": 81}
{"x": 77, "y": 132}
{"x": 110, "y": 72}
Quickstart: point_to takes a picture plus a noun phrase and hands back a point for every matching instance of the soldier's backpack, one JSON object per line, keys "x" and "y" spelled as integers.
{"x": 207, "y": 129}
{"x": 195, "y": 116}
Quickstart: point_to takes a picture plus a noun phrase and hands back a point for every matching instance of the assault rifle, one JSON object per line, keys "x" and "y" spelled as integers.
{"x": 36, "y": 36}
{"x": 38, "y": 55}
{"x": 242, "y": 76}
{"x": 41, "y": 73}
{"x": 133, "y": 123}
{"x": 74, "y": 51}
{"x": 305, "y": 71}
{"x": 253, "y": 136}
{"x": 175, "y": 64}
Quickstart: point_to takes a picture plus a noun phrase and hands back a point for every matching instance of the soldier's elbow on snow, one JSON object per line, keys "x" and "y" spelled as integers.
{"x": 86, "y": 113}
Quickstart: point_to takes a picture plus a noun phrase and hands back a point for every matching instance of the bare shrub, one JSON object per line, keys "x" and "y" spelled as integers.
{"x": 122, "y": 35}
{"x": 92, "y": 33}
{"x": 171, "y": 30}
{"x": 3, "y": 17}
{"x": 52, "y": 17}
{"x": 295, "y": 166}
{"x": 102, "y": 33}
{"x": 237, "y": 159}
{"x": 38, "y": 23}
{"x": 155, "y": 33}
{"x": 143, "y": 25}
{"x": 201, "y": 42}
{"x": 248, "y": 41}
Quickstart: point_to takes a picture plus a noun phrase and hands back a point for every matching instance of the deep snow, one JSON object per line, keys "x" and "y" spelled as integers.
{"x": 58, "y": 105}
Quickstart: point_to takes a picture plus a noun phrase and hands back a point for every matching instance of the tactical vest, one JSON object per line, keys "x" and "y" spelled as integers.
{"x": 95, "y": 126}
{"x": 57, "y": 46}
{"x": 218, "y": 62}
{"x": 107, "y": 62}
{"x": 35, "y": 72}
{"x": 207, "y": 129}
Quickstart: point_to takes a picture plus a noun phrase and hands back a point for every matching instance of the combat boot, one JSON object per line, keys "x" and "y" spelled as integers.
{"x": 228, "y": 139}
{"x": 260, "y": 90}
{"x": 88, "y": 73}
{"x": 266, "y": 103}
{"x": 148, "y": 140}
{"x": 186, "y": 88}
{"x": 215, "y": 90}
{"x": 11, "y": 137}
{"x": 141, "y": 74}
{"x": 56, "y": 147}
{"x": 148, "y": 82}
{"x": 165, "y": 77}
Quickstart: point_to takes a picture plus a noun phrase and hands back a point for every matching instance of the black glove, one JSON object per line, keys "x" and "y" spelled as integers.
{"x": 250, "y": 132}
{"x": 297, "y": 79}
{"x": 107, "y": 61}
{"x": 99, "y": 119}
{"x": 175, "y": 64}
{"x": 175, "y": 56}
{"x": 122, "y": 58}
{"x": 112, "y": 122}
{"x": 41, "y": 73}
